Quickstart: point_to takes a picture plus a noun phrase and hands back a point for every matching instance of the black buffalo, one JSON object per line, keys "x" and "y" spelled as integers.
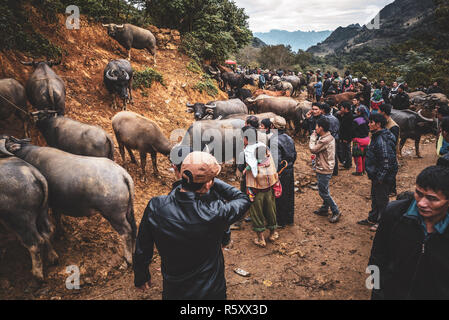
{"x": 13, "y": 100}
{"x": 75, "y": 137}
{"x": 130, "y": 36}
{"x": 216, "y": 109}
{"x": 45, "y": 89}
{"x": 235, "y": 81}
{"x": 118, "y": 77}
{"x": 80, "y": 186}
{"x": 412, "y": 125}
{"x": 24, "y": 208}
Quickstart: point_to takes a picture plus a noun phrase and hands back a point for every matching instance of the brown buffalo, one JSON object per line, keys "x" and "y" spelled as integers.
{"x": 135, "y": 132}
{"x": 335, "y": 99}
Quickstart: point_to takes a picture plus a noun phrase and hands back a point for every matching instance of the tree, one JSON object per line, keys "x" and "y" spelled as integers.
{"x": 276, "y": 57}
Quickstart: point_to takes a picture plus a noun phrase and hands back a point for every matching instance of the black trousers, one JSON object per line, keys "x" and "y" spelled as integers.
{"x": 379, "y": 200}
{"x": 344, "y": 153}
{"x": 285, "y": 205}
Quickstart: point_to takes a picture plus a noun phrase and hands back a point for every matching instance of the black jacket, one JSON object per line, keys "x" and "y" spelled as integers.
{"x": 385, "y": 94}
{"x": 188, "y": 232}
{"x": 360, "y": 128}
{"x": 284, "y": 145}
{"x": 346, "y": 121}
{"x": 401, "y": 101}
{"x": 366, "y": 94}
{"x": 381, "y": 162}
{"x": 310, "y": 124}
{"x": 326, "y": 85}
{"x": 411, "y": 266}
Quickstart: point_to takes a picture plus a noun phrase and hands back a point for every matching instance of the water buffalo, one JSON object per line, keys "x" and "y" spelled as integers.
{"x": 259, "y": 92}
{"x": 221, "y": 138}
{"x": 118, "y": 78}
{"x": 80, "y": 186}
{"x": 297, "y": 83}
{"x": 241, "y": 94}
{"x": 244, "y": 116}
{"x": 45, "y": 89}
{"x": 24, "y": 208}
{"x": 282, "y": 106}
{"x": 75, "y": 137}
{"x": 412, "y": 126}
{"x": 130, "y": 36}
{"x": 335, "y": 99}
{"x": 284, "y": 86}
{"x": 13, "y": 100}
{"x": 135, "y": 132}
{"x": 235, "y": 81}
{"x": 216, "y": 109}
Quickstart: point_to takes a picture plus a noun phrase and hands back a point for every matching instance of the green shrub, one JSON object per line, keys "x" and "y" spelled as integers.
{"x": 194, "y": 67}
{"x": 145, "y": 78}
{"x": 207, "y": 85}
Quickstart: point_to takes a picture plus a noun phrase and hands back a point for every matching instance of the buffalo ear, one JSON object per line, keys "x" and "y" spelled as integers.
{"x": 189, "y": 110}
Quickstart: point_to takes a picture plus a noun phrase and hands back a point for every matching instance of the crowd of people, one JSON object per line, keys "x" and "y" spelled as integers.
{"x": 191, "y": 224}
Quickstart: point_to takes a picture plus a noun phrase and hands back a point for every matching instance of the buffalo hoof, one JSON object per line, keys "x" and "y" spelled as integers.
{"x": 418, "y": 156}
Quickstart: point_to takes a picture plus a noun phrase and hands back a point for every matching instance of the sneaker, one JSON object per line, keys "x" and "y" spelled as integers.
{"x": 365, "y": 222}
{"x": 335, "y": 217}
{"x": 247, "y": 219}
{"x": 321, "y": 212}
{"x": 374, "y": 227}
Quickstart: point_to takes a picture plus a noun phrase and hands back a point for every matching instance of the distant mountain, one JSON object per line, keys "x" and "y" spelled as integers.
{"x": 296, "y": 39}
{"x": 398, "y": 21}
{"x": 257, "y": 43}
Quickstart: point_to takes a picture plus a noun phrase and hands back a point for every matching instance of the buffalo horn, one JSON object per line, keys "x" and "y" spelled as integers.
{"x": 424, "y": 118}
{"x": 189, "y": 105}
{"x": 25, "y": 63}
{"x": 119, "y": 26}
{"x": 108, "y": 75}
{"x": 3, "y": 148}
{"x": 211, "y": 106}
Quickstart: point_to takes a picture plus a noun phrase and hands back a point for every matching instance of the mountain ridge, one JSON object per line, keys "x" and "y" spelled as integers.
{"x": 398, "y": 20}
{"x": 296, "y": 39}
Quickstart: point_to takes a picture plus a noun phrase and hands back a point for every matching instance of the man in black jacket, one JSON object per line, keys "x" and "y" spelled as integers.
{"x": 381, "y": 167}
{"x": 401, "y": 101}
{"x": 346, "y": 118}
{"x": 187, "y": 228}
{"x": 411, "y": 246}
{"x": 283, "y": 148}
{"x": 366, "y": 92}
{"x": 385, "y": 91}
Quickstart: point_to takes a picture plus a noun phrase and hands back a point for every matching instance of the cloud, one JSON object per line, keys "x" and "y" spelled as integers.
{"x": 292, "y": 15}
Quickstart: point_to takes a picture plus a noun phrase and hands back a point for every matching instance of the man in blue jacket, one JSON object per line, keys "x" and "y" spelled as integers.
{"x": 381, "y": 166}
{"x": 187, "y": 227}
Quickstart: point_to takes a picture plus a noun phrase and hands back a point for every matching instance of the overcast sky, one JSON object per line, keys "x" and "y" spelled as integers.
{"x": 292, "y": 15}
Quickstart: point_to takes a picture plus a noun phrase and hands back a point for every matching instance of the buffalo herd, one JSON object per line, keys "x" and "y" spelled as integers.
{"x": 76, "y": 174}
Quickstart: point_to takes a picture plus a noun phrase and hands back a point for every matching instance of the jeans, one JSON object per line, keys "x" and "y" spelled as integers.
{"x": 379, "y": 200}
{"x": 323, "y": 189}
